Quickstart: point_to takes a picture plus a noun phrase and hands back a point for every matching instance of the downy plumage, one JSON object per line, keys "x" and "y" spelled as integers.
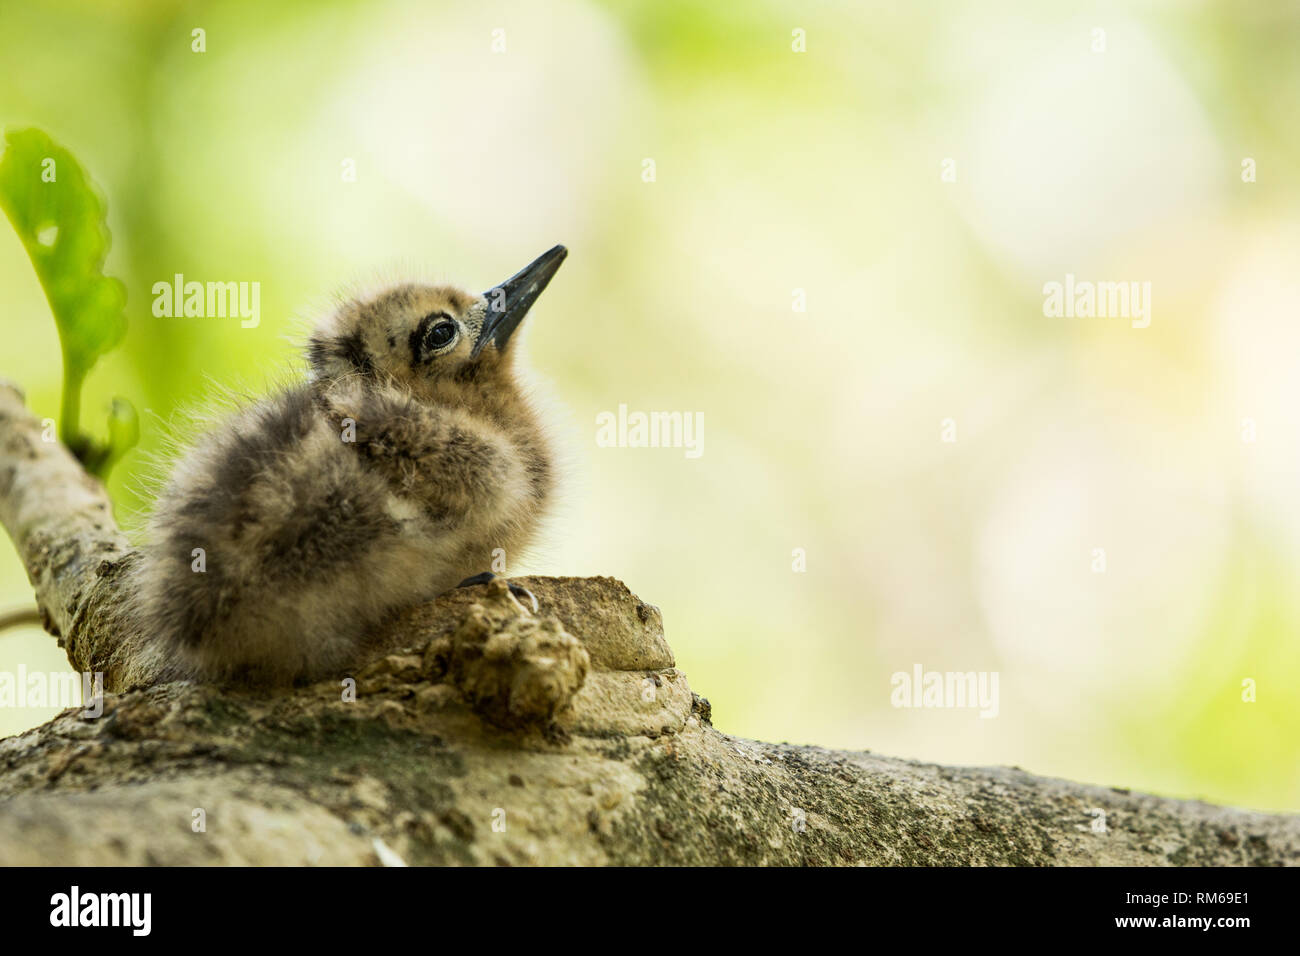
{"x": 388, "y": 477}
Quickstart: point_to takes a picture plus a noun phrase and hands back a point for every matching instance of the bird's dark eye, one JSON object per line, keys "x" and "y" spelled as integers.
{"x": 440, "y": 335}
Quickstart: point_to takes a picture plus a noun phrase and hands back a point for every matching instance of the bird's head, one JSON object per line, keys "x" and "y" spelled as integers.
{"x": 432, "y": 339}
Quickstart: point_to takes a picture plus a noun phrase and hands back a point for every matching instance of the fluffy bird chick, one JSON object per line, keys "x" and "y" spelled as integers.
{"x": 386, "y": 479}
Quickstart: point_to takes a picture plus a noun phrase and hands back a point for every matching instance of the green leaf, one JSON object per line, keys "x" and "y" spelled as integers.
{"x": 123, "y": 431}
{"x": 60, "y": 218}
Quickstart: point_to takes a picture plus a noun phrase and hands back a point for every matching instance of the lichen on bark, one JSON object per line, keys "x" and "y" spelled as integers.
{"x": 471, "y": 731}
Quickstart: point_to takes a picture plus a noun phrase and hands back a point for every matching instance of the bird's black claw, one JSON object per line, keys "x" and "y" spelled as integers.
{"x": 518, "y": 590}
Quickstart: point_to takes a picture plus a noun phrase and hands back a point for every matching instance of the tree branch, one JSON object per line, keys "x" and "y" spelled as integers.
{"x": 61, "y": 522}
{"x": 479, "y": 733}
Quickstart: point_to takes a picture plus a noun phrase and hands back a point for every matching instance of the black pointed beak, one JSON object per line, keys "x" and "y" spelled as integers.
{"x": 510, "y": 301}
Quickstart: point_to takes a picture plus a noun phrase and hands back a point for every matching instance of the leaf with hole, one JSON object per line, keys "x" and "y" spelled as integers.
{"x": 60, "y": 219}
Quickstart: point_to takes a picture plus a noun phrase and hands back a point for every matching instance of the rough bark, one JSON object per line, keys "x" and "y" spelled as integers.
{"x": 482, "y": 733}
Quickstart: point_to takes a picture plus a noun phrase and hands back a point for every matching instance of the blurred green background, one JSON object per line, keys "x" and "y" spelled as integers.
{"x": 778, "y": 171}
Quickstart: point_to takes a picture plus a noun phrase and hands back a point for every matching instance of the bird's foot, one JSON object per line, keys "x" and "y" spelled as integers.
{"x": 518, "y": 590}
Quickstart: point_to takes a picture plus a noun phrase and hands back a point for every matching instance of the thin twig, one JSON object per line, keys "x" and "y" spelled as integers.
{"x": 23, "y": 617}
